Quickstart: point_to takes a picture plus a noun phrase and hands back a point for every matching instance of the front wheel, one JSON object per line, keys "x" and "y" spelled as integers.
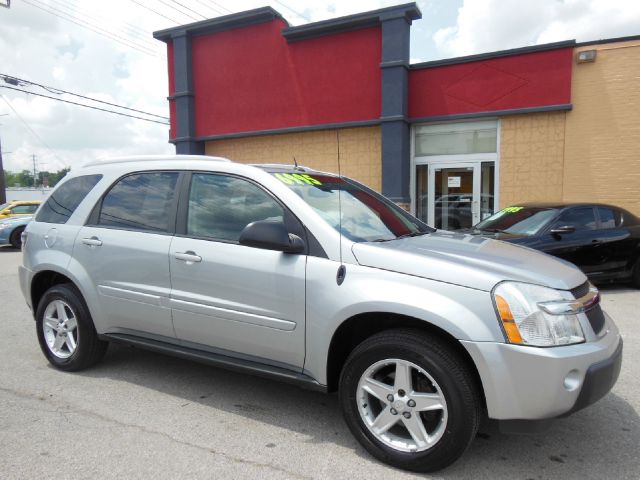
{"x": 410, "y": 400}
{"x": 65, "y": 330}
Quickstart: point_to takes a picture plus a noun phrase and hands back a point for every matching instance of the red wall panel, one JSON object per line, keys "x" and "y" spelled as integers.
{"x": 520, "y": 81}
{"x": 251, "y": 79}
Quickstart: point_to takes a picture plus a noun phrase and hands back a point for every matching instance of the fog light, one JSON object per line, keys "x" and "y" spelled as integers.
{"x": 572, "y": 380}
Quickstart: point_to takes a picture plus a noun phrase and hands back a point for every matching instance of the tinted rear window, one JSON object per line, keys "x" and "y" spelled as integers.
{"x": 65, "y": 199}
{"x": 142, "y": 201}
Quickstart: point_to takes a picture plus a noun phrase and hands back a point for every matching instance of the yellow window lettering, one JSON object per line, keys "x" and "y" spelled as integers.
{"x": 283, "y": 179}
{"x": 513, "y": 209}
{"x": 303, "y": 178}
{"x": 312, "y": 180}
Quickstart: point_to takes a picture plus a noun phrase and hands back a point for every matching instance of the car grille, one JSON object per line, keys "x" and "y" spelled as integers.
{"x": 596, "y": 318}
{"x": 581, "y": 290}
{"x": 595, "y": 313}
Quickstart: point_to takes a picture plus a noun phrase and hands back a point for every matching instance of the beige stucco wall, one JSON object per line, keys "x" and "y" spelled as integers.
{"x": 360, "y": 154}
{"x": 531, "y": 157}
{"x": 602, "y": 143}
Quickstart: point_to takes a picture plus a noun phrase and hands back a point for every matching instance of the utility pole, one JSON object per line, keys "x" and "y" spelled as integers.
{"x": 3, "y": 186}
{"x": 35, "y": 185}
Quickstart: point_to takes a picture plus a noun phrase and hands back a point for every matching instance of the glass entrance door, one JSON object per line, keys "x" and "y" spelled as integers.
{"x": 454, "y": 196}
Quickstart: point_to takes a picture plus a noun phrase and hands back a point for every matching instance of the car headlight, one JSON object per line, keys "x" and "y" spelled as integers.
{"x": 537, "y": 316}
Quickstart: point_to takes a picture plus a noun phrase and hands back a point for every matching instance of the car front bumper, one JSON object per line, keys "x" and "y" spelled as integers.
{"x": 532, "y": 383}
{"x": 5, "y": 234}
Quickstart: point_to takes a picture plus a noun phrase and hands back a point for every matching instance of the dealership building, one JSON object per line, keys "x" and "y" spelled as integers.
{"x": 451, "y": 140}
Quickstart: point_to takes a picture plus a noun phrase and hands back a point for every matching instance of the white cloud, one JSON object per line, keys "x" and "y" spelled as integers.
{"x": 489, "y": 25}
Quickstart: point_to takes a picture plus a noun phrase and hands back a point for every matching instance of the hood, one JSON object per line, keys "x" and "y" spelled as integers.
{"x": 468, "y": 260}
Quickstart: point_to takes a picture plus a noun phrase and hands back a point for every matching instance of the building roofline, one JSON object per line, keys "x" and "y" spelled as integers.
{"x": 609, "y": 40}
{"x": 218, "y": 24}
{"x": 408, "y": 11}
{"x": 499, "y": 54}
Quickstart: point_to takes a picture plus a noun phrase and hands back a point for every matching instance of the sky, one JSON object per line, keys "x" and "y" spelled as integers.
{"x": 105, "y": 50}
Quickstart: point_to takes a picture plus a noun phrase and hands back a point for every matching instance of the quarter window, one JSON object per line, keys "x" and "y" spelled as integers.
{"x": 609, "y": 218}
{"x": 141, "y": 201}
{"x": 65, "y": 199}
{"x": 581, "y": 218}
{"x": 221, "y": 206}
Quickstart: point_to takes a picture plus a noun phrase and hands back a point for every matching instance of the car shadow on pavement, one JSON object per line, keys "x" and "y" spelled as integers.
{"x": 598, "y": 442}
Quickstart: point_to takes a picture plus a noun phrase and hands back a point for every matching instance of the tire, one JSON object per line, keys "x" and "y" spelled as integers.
{"x": 440, "y": 381}
{"x": 68, "y": 345}
{"x": 16, "y": 237}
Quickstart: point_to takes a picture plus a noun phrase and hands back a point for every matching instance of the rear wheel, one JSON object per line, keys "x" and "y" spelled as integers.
{"x": 410, "y": 400}
{"x": 16, "y": 237}
{"x": 65, "y": 330}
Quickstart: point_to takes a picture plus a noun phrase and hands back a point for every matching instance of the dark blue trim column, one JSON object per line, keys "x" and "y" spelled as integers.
{"x": 396, "y": 139}
{"x": 183, "y": 97}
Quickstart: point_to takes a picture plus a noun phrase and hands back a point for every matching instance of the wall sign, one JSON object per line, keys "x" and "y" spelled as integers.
{"x": 453, "y": 182}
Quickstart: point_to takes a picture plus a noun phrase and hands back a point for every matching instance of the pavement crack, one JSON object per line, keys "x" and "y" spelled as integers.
{"x": 79, "y": 410}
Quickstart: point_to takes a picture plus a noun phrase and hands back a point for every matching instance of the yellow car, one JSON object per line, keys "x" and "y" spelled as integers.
{"x": 18, "y": 208}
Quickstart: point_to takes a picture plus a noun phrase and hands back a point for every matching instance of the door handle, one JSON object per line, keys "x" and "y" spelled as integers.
{"x": 92, "y": 242}
{"x": 188, "y": 256}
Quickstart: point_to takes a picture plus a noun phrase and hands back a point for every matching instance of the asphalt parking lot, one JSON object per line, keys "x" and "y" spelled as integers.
{"x": 142, "y": 415}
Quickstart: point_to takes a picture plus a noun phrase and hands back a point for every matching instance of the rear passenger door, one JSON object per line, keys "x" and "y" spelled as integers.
{"x": 234, "y": 299}
{"x": 124, "y": 250}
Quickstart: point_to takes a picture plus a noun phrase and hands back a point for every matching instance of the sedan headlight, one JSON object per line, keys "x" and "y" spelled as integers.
{"x": 537, "y": 316}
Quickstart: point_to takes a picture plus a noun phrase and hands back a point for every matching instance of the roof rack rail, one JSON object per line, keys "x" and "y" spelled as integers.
{"x": 151, "y": 158}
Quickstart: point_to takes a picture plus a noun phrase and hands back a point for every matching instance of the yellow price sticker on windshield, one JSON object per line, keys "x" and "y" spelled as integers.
{"x": 512, "y": 209}
{"x": 297, "y": 179}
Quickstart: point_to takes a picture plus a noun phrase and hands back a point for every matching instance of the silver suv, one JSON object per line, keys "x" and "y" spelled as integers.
{"x": 314, "y": 279}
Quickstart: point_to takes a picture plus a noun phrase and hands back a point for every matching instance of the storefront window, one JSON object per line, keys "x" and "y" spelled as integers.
{"x": 456, "y": 138}
{"x": 487, "y": 189}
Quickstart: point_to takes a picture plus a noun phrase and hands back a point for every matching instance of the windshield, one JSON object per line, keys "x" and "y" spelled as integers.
{"x": 366, "y": 215}
{"x": 4, "y": 205}
{"x": 518, "y": 220}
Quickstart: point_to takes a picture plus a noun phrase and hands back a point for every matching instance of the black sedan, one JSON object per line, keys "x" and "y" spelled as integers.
{"x": 603, "y": 240}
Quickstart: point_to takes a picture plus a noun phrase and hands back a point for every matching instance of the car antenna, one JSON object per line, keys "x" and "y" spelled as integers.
{"x": 295, "y": 162}
{"x": 342, "y": 270}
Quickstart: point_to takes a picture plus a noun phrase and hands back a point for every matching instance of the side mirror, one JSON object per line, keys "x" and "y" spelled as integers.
{"x": 271, "y": 236}
{"x": 563, "y": 229}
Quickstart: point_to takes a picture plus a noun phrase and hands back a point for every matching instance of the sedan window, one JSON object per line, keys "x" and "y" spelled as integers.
{"x": 581, "y": 218}
{"x": 518, "y": 220}
{"x": 609, "y": 218}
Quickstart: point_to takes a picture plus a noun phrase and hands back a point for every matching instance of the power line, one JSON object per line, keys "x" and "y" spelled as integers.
{"x": 83, "y": 105}
{"x": 101, "y": 31}
{"x": 220, "y": 6}
{"x": 21, "y": 82}
{"x": 33, "y": 131}
{"x": 292, "y": 10}
{"x": 133, "y": 32}
{"x": 156, "y": 12}
{"x": 178, "y": 10}
{"x": 187, "y": 8}
{"x": 219, "y": 12}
